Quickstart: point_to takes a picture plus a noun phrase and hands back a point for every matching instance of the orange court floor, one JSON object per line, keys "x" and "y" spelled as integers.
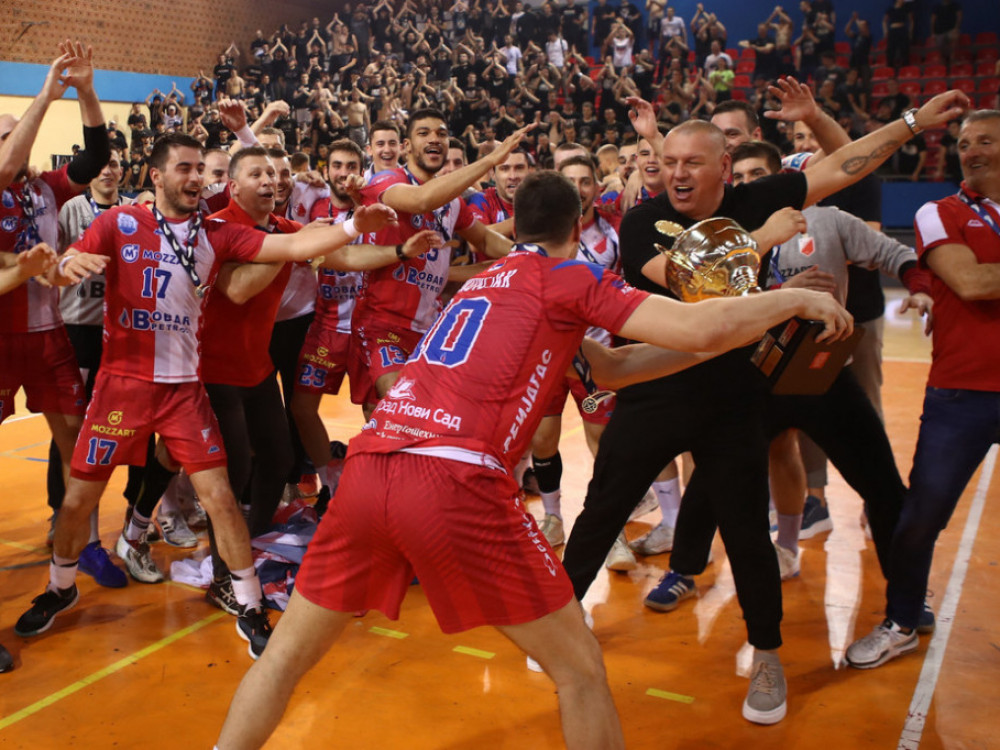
{"x": 155, "y": 666}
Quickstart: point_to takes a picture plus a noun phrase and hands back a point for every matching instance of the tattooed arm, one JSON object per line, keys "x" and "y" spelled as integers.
{"x": 850, "y": 163}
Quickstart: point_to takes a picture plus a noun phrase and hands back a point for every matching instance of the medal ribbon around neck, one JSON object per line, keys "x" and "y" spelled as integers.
{"x": 185, "y": 252}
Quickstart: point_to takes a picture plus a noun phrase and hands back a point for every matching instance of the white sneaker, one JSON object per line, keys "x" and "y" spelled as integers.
{"x": 175, "y": 530}
{"x": 885, "y": 642}
{"x": 620, "y": 558}
{"x": 788, "y": 561}
{"x": 534, "y": 666}
{"x": 648, "y": 504}
{"x": 138, "y": 561}
{"x": 658, "y": 540}
{"x": 552, "y": 529}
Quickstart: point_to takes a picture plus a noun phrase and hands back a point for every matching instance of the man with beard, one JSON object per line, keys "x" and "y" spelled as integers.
{"x": 398, "y": 302}
{"x": 494, "y": 206}
{"x": 159, "y": 265}
{"x": 324, "y": 356}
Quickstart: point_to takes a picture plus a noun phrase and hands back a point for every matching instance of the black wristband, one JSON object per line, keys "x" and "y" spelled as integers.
{"x": 96, "y": 153}
{"x": 399, "y": 252}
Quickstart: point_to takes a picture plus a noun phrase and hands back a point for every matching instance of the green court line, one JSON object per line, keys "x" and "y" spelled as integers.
{"x": 108, "y": 670}
{"x": 473, "y": 652}
{"x": 656, "y": 693}
{"x": 387, "y": 632}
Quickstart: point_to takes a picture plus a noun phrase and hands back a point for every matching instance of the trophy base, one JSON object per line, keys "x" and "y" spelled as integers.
{"x": 795, "y": 364}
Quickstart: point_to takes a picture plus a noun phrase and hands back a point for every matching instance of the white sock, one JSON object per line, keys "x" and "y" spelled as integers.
{"x": 551, "y": 503}
{"x": 62, "y": 573}
{"x": 668, "y": 495}
{"x": 95, "y": 533}
{"x": 137, "y": 526}
{"x": 246, "y": 587}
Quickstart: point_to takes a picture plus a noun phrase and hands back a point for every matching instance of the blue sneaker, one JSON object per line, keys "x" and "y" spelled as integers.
{"x": 94, "y": 561}
{"x": 926, "y": 623}
{"x": 672, "y": 589}
{"x": 815, "y": 518}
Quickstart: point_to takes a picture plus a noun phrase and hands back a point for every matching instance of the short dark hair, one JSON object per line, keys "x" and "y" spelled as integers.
{"x": 161, "y": 148}
{"x": 759, "y": 150}
{"x": 424, "y": 113}
{"x": 454, "y": 142}
{"x": 383, "y": 125}
{"x": 299, "y": 159}
{"x": 277, "y": 153}
{"x": 274, "y": 131}
{"x": 346, "y": 144}
{"x": 245, "y": 153}
{"x": 737, "y": 105}
{"x": 580, "y": 161}
{"x": 546, "y": 208}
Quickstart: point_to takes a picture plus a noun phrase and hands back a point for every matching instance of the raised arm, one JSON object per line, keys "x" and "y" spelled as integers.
{"x": 850, "y": 163}
{"x": 306, "y": 245}
{"x": 797, "y": 103}
{"x": 369, "y": 257}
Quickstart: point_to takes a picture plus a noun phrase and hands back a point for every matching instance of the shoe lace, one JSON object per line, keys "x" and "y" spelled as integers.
{"x": 763, "y": 680}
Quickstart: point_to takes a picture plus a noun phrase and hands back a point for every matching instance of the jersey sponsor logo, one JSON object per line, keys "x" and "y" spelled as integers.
{"x": 8, "y": 199}
{"x": 160, "y": 256}
{"x": 974, "y": 223}
{"x": 9, "y": 223}
{"x": 115, "y": 417}
{"x": 130, "y": 253}
{"x": 402, "y": 390}
{"x": 154, "y": 320}
{"x": 113, "y": 430}
{"x": 322, "y": 351}
{"x": 127, "y": 224}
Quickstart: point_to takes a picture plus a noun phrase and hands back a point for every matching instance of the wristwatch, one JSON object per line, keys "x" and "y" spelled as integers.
{"x": 910, "y": 118}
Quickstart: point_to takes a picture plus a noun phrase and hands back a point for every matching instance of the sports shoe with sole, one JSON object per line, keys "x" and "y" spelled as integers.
{"x": 885, "y": 642}
{"x": 672, "y": 589}
{"x": 620, "y": 557}
{"x": 95, "y": 562}
{"x": 815, "y": 518}
{"x": 648, "y": 504}
{"x": 552, "y": 529}
{"x": 138, "y": 561}
{"x": 927, "y": 622}
{"x": 220, "y": 594}
{"x": 6, "y": 660}
{"x": 788, "y": 561}
{"x": 766, "y": 698}
{"x": 44, "y": 609}
{"x": 254, "y": 628}
{"x": 658, "y": 540}
{"x": 175, "y": 530}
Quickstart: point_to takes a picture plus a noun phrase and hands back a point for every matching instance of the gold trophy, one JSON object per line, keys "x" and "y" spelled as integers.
{"x": 714, "y": 258}
{"x": 718, "y": 258}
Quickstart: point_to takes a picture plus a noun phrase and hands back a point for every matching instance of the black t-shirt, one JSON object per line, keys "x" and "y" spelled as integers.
{"x": 750, "y": 205}
{"x": 223, "y": 72}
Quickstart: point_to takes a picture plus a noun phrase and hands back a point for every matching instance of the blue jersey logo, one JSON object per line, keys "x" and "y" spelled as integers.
{"x": 127, "y": 224}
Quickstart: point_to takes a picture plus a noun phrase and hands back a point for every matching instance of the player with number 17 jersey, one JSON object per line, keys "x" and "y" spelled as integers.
{"x": 152, "y": 314}
{"x": 531, "y": 312}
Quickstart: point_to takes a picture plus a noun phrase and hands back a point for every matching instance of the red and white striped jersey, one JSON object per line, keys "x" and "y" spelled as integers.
{"x": 152, "y": 315}
{"x": 31, "y": 306}
{"x": 338, "y": 290}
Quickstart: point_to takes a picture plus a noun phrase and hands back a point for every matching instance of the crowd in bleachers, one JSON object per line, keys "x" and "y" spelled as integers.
{"x": 493, "y": 68}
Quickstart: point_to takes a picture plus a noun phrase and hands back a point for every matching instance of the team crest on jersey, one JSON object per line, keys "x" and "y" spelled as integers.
{"x": 403, "y": 390}
{"x": 9, "y": 224}
{"x": 300, "y": 210}
{"x": 115, "y": 417}
{"x": 127, "y": 224}
{"x": 130, "y": 253}
{"x": 206, "y": 433}
{"x": 8, "y": 199}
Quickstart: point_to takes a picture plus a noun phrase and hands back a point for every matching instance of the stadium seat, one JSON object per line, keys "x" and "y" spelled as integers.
{"x": 748, "y": 53}
{"x": 935, "y": 87}
{"x": 987, "y": 54}
{"x": 964, "y": 84}
{"x": 986, "y": 38}
{"x": 745, "y": 66}
{"x": 961, "y": 69}
{"x": 880, "y": 89}
{"x": 732, "y": 52}
{"x": 933, "y": 57}
{"x": 739, "y": 95}
{"x": 986, "y": 101}
{"x": 985, "y": 68}
{"x": 842, "y": 48}
{"x": 911, "y": 89}
{"x": 883, "y": 73}
{"x": 935, "y": 71}
{"x": 988, "y": 85}
{"x": 909, "y": 71}
{"x": 741, "y": 82}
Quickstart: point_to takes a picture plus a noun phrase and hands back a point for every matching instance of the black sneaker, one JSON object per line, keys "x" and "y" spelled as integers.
{"x": 254, "y": 628}
{"x": 44, "y": 609}
{"x": 220, "y": 594}
{"x": 6, "y": 660}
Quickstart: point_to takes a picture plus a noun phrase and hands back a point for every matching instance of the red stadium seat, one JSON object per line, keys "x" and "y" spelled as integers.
{"x": 741, "y": 82}
{"x": 987, "y": 101}
{"x": 986, "y": 38}
{"x": 842, "y": 48}
{"x": 745, "y": 66}
{"x": 732, "y": 52}
{"x": 933, "y": 57}
{"x": 883, "y": 73}
{"x": 881, "y": 45}
{"x": 911, "y": 89}
{"x": 961, "y": 69}
{"x": 935, "y": 87}
{"x": 964, "y": 84}
{"x": 965, "y": 40}
{"x": 880, "y": 60}
{"x": 935, "y": 71}
{"x": 909, "y": 71}
{"x": 962, "y": 55}
{"x": 748, "y": 53}
{"x": 843, "y": 61}
{"x": 988, "y": 85}
{"x": 739, "y": 95}
{"x": 987, "y": 54}
{"x": 986, "y": 68}
{"x": 880, "y": 89}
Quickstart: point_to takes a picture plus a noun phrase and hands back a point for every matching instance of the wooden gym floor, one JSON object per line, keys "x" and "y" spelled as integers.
{"x": 155, "y": 666}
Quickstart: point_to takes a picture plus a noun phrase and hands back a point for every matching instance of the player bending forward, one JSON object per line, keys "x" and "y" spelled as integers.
{"x": 427, "y": 486}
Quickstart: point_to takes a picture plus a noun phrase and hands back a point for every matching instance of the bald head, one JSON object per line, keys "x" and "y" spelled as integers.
{"x": 711, "y": 134}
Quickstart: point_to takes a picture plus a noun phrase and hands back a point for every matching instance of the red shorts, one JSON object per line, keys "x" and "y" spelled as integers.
{"x": 124, "y": 412}
{"x": 44, "y": 364}
{"x": 554, "y": 407}
{"x": 377, "y": 351}
{"x": 460, "y": 528}
{"x": 323, "y": 360}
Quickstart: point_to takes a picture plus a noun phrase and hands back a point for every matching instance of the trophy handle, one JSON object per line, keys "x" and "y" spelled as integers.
{"x": 677, "y": 259}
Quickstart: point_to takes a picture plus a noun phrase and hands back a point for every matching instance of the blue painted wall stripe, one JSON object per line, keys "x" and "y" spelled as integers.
{"x": 26, "y": 79}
